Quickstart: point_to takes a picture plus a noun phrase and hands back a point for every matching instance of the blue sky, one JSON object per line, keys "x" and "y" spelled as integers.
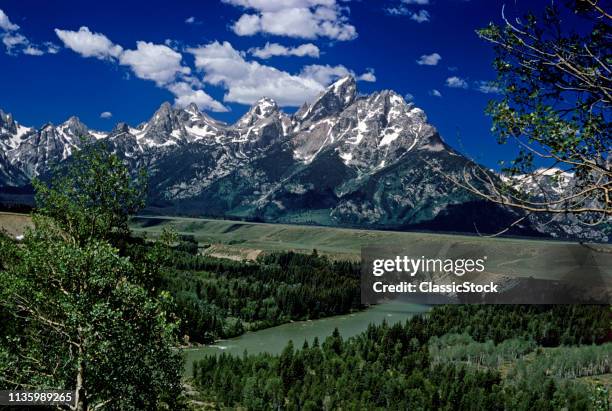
{"x": 124, "y": 58}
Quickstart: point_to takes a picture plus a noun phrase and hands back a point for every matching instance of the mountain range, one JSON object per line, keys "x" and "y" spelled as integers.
{"x": 344, "y": 159}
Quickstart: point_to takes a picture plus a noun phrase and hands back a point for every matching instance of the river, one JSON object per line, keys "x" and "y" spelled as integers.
{"x": 273, "y": 340}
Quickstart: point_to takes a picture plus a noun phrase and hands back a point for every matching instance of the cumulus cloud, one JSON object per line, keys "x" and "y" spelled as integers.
{"x": 368, "y": 76}
{"x": 106, "y": 114}
{"x": 5, "y": 22}
{"x": 33, "y": 51}
{"x": 186, "y": 94}
{"x": 13, "y": 40}
{"x": 409, "y": 97}
{"x": 155, "y": 62}
{"x": 326, "y": 74}
{"x": 275, "y": 49}
{"x": 456, "y": 82}
{"x": 16, "y": 42}
{"x": 487, "y": 87}
{"x": 190, "y": 20}
{"x": 218, "y": 64}
{"x": 149, "y": 61}
{"x": 89, "y": 44}
{"x": 294, "y": 18}
{"x": 419, "y": 2}
{"x": 435, "y": 93}
{"x": 247, "y": 81}
{"x": 247, "y": 25}
{"x": 421, "y": 16}
{"x": 429, "y": 59}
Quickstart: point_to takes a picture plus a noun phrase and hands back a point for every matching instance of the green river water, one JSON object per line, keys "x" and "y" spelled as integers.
{"x": 273, "y": 340}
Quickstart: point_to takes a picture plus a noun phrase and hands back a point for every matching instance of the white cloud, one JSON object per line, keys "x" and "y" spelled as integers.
{"x": 294, "y": 18}
{"x": 12, "y": 40}
{"x": 5, "y": 22}
{"x": 421, "y": 16}
{"x": 89, "y": 44}
{"x": 185, "y": 94}
{"x": 456, "y": 82}
{"x": 275, "y": 49}
{"x": 106, "y": 114}
{"x": 326, "y": 74}
{"x": 33, "y": 51}
{"x": 247, "y": 81}
{"x": 51, "y": 48}
{"x": 149, "y": 61}
{"x": 368, "y": 76}
{"x": 155, "y": 62}
{"x": 220, "y": 64}
{"x": 409, "y": 97}
{"x": 16, "y": 42}
{"x": 397, "y": 11}
{"x": 419, "y": 2}
{"x": 487, "y": 87}
{"x": 190, "y": 20}
{"x": 429, "y": 59}
{"x": 247, "y": 25}
{"x": 435, "y": 93}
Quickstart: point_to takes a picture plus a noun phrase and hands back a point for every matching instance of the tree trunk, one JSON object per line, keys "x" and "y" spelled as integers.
{"x": 80, "y": 399}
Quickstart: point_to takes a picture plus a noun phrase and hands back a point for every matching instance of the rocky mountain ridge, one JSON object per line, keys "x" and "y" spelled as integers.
{"x": 344, "y": 159}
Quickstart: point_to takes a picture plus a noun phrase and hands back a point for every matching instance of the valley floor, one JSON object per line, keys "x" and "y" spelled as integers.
{"x": 237, "y": 240}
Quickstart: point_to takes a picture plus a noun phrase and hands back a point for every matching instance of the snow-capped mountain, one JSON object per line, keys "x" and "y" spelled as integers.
{"x": 550, "y": 185}
{"x": 542, "y": 183}
{"x": 32, "y": 151}
{"x": 343, "y": 159}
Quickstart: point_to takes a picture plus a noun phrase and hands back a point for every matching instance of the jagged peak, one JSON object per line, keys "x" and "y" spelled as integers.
{"x": 163, "y": 112}
{"x": 345, "y": 88}
{"x": 8, "y": 122}
{"x": 193, "y": 113}
{"x": 165, "y": 107}
{"x": 343, "y": 83}
{"x": 73, "y": 120}
{"x": 165, "y": 120}
{"x": 120, "y": 127}
{"x": 263, "y": 108}
{"x": 193, "y": 108}
{"x": 75, "y": 126}
{"x": 333, "y": 99}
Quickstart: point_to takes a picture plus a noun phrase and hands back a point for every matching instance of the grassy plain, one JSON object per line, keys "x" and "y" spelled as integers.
{"x": 238, "y": 240}
{"x": 513, "y": 257}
